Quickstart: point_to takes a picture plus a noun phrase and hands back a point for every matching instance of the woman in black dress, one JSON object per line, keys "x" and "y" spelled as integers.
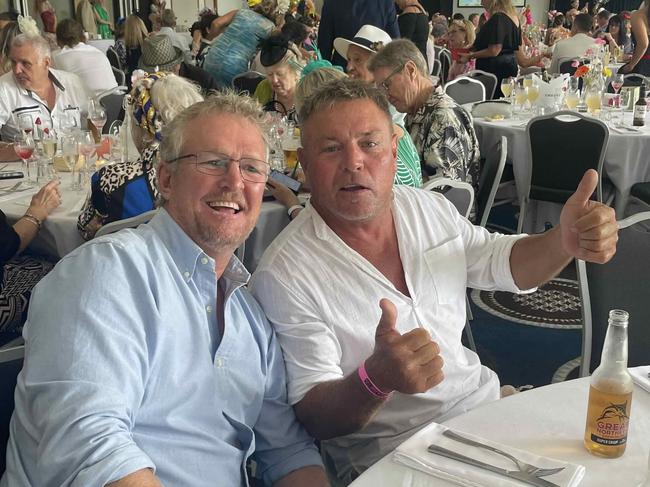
{"x": 413, "y": 23}
{"x": 640, "y": 62}
{"x": 497, "y": 45}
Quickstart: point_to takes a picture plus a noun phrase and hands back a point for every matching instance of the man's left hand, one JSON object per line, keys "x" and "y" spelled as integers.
{"x": 589, "y": 229}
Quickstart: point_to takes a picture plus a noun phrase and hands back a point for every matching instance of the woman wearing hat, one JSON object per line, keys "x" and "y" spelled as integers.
{"x": 237, "y": 35}
{"x": 128, "y": 189}
{"x": 282, "y": 65}
{"x": 357, "y": 52}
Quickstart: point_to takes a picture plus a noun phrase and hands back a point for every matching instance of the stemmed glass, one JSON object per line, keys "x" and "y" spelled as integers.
{"x": 70, "y": 151}
{"x": 593, "y": 100}
{"x": 533, "y": 94}
{"x": 506, "y": 88}
{"x": 572, "y": 98}
{"x": 24, "y": 146}
{"x": 87, "y": 148}
{"x": 521, "y": 95}
{"x": 617, "y": 82}
{"x": 25, "y": 123}
{"x": 97, "y": 115}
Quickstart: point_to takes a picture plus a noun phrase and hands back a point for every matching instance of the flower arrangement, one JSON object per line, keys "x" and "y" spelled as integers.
{"x": 593, "y": 74}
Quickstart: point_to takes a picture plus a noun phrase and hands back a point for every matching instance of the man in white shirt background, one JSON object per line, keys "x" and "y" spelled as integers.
{"x": 168, "y": 24}
{"x": 366, "y": 287}
{"x": 576, "y": 45}
{"x": 33, "y": 91}
{"x": 87, "y": 62}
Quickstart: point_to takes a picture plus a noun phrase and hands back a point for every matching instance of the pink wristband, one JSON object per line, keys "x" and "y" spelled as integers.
{"x": 369, "y": 384}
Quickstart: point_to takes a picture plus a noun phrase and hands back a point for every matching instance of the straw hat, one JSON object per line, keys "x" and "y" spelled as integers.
{"x": 369, "y": 37}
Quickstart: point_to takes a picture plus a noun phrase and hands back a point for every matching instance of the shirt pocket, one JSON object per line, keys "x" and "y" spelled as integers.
{"x": 448, "y": 270}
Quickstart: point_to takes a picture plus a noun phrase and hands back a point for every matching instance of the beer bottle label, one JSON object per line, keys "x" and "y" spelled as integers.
{"x": 610, "y": 428}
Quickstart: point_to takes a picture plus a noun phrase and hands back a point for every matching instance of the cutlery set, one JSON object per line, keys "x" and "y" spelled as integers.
{"x": 524, "y": 472}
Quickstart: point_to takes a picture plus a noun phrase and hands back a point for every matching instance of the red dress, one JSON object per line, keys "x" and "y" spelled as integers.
{"x": 49, "y": 21}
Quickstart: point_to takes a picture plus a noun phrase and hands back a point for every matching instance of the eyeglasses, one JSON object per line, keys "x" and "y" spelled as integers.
{"x": 253, "y": 170}
{"x": 385, "y": 85}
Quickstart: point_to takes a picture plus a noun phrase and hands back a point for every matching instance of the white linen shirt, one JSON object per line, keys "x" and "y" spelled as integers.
{"x": 322, "y": 298}
{"x": 16, "y": 101}
{"x": 89, "y": 63}
{"x": 572, "y": 47}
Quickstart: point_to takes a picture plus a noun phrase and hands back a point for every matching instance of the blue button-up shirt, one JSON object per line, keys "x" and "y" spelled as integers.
{"x": 125, "y": 369}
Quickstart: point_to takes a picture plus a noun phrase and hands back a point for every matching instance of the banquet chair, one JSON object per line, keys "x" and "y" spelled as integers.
{"x": 562, "y": 146}
{"x": 132, "y": 222}
{"x": 465, "y": 90}
{"x": 490, "y": 178}
{"x": 445, "y": 64}
{"x": 435, "y": 69}
{"x": 11, "y": 362}
{"x": 120, "y": 77}
{"x": 635, "y": 79}
{"x": 113, "y": 58}
{"x": 247, "y": 82}
{"x": 640, "y": 194}
{"x": 530, "y": 70}
{"x": 461, "y": 195}
{"x": 621, "y": 283}
{"x": 112, "y": 102}
{"x": 489, "y": 80}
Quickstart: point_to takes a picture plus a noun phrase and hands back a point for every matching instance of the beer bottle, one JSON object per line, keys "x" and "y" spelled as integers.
{"x": 610, "y": 393}
{"x": 640, "y": 108}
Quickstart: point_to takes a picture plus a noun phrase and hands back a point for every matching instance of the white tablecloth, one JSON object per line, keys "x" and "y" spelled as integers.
{"x": 59, "y": 234}
{"x": 101, "y": 44}
{"x": 548, "y": 421}
{"x": 626, "y": 159}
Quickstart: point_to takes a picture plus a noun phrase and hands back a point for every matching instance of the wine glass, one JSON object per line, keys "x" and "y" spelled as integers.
{"x": 87, "y": 148}
{"x": 96, "y": 114}
{"x": 506, "y": 87}
{"x": 521, "y": 95}
{"x": 70, "y": 151}
{"x": 572, "y": 98}
{"x": 24, "y": 146}
{"x": 25, "y": 123}
{"x": 593, "y": 100}
{"x": 533, "y": 94}
{"x": 617, "y": 82}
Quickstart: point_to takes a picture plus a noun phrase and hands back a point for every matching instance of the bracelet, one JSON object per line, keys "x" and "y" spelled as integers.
{"x": 294, "y": 208}
{"x": 31, "y": 218}
{"x": 370, "y": 385}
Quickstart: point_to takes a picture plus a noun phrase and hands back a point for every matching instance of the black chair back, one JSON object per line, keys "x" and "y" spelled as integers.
{"x": 112, "y": 104}
{"x": 566, "y": 67}
{"x": 562, "y": 147}
{"x": 622, "y": 283}
{"x": 11, "y": 363}
{"x": 490, "y": 178}
{"x": 488, "y": 79}
{"x": 120, "y": 77}
{"x": 445, "y": 63}
{"x": 247, "y": 82}
{"x": 114, "y": 59}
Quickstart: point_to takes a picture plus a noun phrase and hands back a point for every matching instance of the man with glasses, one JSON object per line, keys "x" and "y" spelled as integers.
{"x": 152, "y": 365}
{"x": 371, "y": 324}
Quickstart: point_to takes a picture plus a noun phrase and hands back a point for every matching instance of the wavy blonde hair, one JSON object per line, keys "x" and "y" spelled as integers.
{"x": 134, "y": 32}
{"x": 504, "y": 6}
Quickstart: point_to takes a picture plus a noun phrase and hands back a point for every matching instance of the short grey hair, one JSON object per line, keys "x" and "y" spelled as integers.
{"x": 39, "y": 43}
{"x": 168, "y": 18}
{"x": 174, "y": 133}
{"x": 341, "y": 90}
{"x": 312, "y": 81}
{"x": 397, "y": 53}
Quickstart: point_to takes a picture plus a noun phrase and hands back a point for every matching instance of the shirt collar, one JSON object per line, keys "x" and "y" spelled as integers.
{"x": 189, "y": 257}
{"x": 51, "y": 75}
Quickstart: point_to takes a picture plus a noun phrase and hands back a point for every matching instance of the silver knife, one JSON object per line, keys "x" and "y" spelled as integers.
{"x": 513, "y": 474}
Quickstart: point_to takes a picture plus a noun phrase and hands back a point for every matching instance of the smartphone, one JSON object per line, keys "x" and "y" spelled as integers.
{"x": 11, "y": 175}
{"x": 280, "y": 177}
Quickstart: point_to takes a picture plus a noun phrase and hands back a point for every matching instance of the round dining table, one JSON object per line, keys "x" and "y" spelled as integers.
{"x": 548, "y": 421}
{"x": 626, "y": 156}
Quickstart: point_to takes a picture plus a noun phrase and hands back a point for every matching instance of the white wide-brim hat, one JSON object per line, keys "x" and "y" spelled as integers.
{"x": 369, "y": 37}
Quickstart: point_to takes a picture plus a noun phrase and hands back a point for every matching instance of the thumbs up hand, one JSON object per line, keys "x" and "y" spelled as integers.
{"x": 408, "y": 363}
{"x": 589, "y": 228}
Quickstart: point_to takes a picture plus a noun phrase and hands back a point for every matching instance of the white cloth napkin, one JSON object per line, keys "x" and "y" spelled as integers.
{"x": 640, "y": 376}
{"x": 550, "y": 93}
{"x": 413, "y": 453}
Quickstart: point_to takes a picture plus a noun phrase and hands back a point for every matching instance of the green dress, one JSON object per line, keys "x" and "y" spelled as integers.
{"x": 103, "y": 30}
{"x": 409, "y": 171}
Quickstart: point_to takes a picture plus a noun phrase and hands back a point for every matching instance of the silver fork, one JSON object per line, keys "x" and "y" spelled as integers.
{"x": 521, "y": 465}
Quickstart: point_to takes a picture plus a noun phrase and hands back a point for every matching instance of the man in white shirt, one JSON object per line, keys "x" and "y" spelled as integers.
{"x": 88, "y": 62}
{"x": 34, "y": 96}
{"x": 168, "y": 23}
{"x": 366, "y": 287}
{"x": 576, "y": 45}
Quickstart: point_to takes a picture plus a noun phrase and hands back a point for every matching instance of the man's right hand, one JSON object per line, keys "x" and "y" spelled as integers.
{"x": 409, "y": 363}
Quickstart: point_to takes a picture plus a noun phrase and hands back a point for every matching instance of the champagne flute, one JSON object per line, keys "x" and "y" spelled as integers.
{"x": 533, "y": 94}
{"x": 24, "y": 146}
{"x": 70, "y": 151}
{"x": 521, "y": 95}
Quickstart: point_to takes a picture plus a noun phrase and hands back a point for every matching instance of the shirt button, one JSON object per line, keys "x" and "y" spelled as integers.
{"x": 208, "y": 308}
{"x": 219, "y": 363}
{"x": 186, "y": 275}
{"x": 204, "y": 261}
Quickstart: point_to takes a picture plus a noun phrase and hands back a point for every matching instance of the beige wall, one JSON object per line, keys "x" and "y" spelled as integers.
{"x": 539, "y": 8}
